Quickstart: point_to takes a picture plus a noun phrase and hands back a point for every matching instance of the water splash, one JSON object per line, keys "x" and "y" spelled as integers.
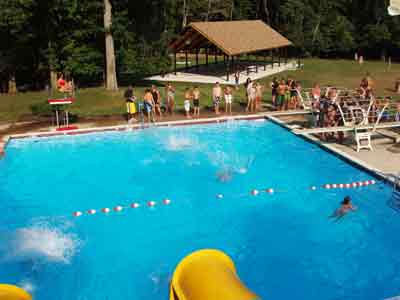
{"x": 230, "y": 163}
{"x": 42, "y": 241}
{"x": 177, "y": 143}
{"x": 27, "y": 286}
{"x": 225, "y": 175}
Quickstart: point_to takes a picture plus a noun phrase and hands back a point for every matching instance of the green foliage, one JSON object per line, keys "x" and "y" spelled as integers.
{"x": 42, "y": 109}
{"x": 68, "y": 35}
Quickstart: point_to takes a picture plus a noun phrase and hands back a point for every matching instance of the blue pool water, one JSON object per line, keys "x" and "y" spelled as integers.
{"x": 284, "y": 245}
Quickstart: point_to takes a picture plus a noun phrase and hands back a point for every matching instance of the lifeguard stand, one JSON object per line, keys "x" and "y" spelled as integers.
{"x": 61, "y": 102}
{"x": 61, "y": 105}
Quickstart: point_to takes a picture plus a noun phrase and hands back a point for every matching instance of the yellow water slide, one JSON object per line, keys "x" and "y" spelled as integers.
{"x": 12, "y": 292}
{"x": 208, "y": 275}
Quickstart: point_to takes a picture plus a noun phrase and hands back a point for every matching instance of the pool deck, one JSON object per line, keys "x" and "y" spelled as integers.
{"x": 384, "y": 161}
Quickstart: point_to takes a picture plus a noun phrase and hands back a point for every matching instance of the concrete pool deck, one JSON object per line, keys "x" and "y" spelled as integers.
{"x": 383, "y": 161}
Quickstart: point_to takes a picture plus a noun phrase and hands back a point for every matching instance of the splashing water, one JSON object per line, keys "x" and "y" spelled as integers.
{"x": 176, "y": 143}
{"x": 41, "y": 241}
{"x": 27, "y": 286}
{"x": 231, "y": 162}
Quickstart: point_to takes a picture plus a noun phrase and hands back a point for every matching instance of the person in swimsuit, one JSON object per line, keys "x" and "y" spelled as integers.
{"x": 259, "y": 95}
{"x": 293, "y": 94}
{"x": 345, "y": 207}
{"x": 130, "y": 100}
{"x": 170, "y": 92}
{"x": 157, "y": 100}
{"x": 186, "y": 103}
{"x": 217, "y": 93}
{"x": 228, "y": 95}
{"x": 237, "y": 79}
{"x": 281, "y": 99}
{"x": 316, "y": 92}
{"x": 225, "y": 175}
{"x": 397, "y": 115}
{"x": 61, "y": 83}
{"x": 251, "y": 96}
{"x": 196, "y": 101}
{"x": 274, "y": 87}
{"x": 149, "y": 105}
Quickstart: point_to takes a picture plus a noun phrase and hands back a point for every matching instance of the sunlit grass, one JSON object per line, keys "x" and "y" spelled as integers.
{"x": 99, "y": 102}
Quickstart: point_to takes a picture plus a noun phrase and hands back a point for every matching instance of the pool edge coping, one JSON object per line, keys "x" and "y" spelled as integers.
{"x": 128, "y": 127}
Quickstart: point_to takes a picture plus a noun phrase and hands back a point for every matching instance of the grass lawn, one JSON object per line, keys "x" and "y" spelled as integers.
{"x": 94, "y": 102}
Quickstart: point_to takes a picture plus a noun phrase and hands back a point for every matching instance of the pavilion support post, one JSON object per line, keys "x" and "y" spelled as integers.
{"x": 286, "y": 55}
{"x": 227, "y": 70}
{"x": 197, "y": 59}
{"x": 272, "y": 57}
{"x": 256, "y": 63}
{"x": 216, "y": 56}
{"x": 186, "y": 60}
{"x": 232, "y": 63}
{"x": 206, "y": 56}
{"x": 265, "y": 61}
{"x": 279, "y": 57}
{"x": 174, "y": 62}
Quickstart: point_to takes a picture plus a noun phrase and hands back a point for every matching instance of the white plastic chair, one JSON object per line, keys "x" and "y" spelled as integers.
{"x": 363, "y": 140}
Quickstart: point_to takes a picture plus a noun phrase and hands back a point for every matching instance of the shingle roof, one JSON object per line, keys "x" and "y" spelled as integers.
{"x": 231, "y": 37}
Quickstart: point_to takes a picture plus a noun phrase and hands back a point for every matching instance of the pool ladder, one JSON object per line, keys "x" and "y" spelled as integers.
{"x": 394, "y": 201}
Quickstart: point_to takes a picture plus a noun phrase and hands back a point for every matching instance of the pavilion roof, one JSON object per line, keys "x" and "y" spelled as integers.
{"x": 231, "y": 37}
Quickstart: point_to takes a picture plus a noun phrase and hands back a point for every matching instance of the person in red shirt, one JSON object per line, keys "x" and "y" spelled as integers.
{"x": 61, "y": 84}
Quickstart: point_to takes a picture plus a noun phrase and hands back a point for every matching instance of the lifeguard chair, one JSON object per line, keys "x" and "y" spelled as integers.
{"x": 61, "y": 106}
{"x": 61, "y": 102}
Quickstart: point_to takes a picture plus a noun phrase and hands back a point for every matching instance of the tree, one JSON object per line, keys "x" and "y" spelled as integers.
{"x": 111, "y": 72}
{"x": 14, "y": 16}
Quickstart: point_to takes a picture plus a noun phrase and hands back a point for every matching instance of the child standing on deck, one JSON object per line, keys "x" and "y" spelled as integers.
{"x": 228, "y": 94}
{"x": 186, "y": 103}
{"x": 216, "y": 93}
{"x": 130, "y": 100}
{"x": 196, "y": 102}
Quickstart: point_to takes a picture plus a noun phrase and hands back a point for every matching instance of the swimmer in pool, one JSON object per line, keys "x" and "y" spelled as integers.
{"x": 345, "y": 207}
{"x": 224, "y": 175}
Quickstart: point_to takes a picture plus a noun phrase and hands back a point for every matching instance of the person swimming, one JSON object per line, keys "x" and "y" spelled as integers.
{"x": 345, "y": 207}
{"x": 224, "y": 175}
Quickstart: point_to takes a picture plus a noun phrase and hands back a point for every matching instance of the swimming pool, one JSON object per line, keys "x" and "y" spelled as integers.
{"x": 283, "y": 244}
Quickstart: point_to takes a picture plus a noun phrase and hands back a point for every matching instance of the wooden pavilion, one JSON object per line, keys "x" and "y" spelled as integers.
{"x": 232, "y": 40}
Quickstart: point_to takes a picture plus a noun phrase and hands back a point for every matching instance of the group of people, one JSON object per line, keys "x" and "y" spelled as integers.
{"x": 153, "y": 106}
{"x": 254, "y": 94}
{"x": 285, "y": 93}
{"x": 326, "y": 110}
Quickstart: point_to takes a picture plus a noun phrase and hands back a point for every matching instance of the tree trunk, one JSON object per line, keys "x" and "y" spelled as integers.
{"x": 53, "y": 80}
{"x": 111, "y": 74}
{"x": 184, "y": 19}
{"x": 208, "y": 10}
{"x": 12, "y": 85}
{"x": 266, "y": 11}
{"x": 232, "y": 8}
